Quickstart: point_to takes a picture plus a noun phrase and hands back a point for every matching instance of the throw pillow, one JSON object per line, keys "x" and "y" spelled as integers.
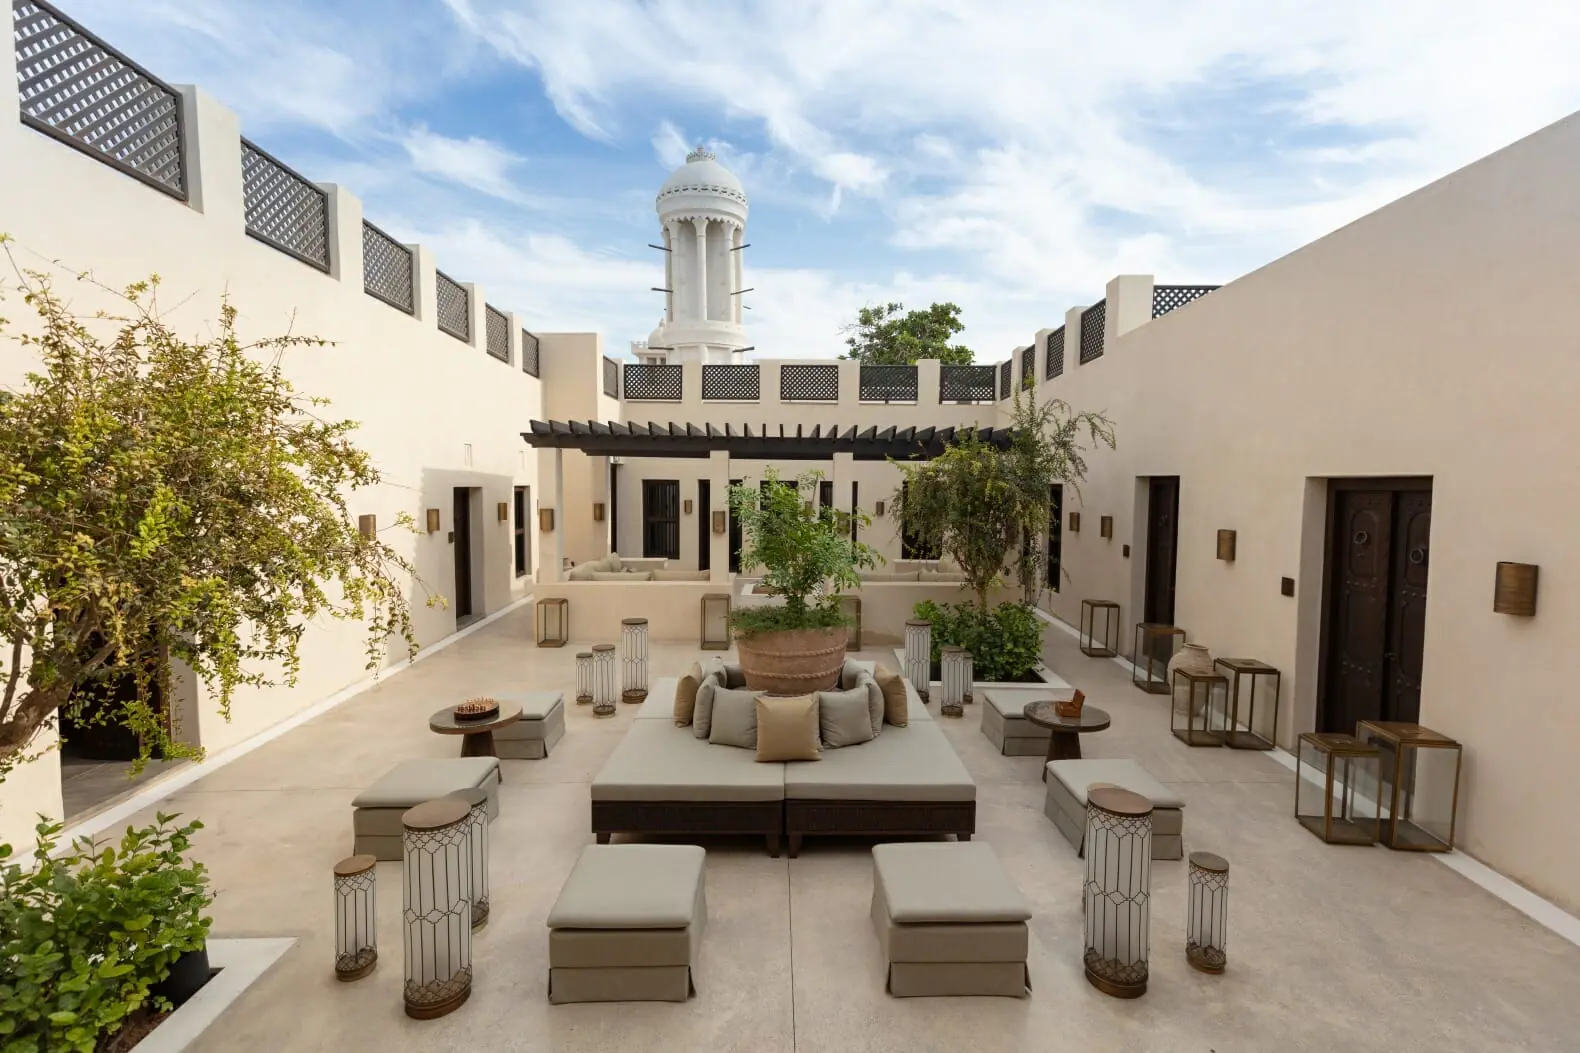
{"x": 686, "y": 695}
{"x": 896, "y": 710}
{"x": 702, "y": 715}
{"x": 612, "y": 561}
{"x": 582, "y": 572}
{"x": 874, "y": 702}
{"x": 849, "y": 674}
{"x": 787, "y": 728}
{"x": 734, "y": 718}
{"x": 843, "y": 717}
{"x": 734, "y": 675}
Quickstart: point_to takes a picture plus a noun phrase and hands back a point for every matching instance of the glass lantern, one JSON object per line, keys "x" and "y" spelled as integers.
{"x": 1117, "y": 892}
{"x": 584, "y": 678}
{"x": 633, "y": 660}
{"x": 966, "y": 678}
{"x": 356, "y": 916}
{"x": 716, "y": 621}
{"x": 919, "y": 656}
{"x": 1337, "y": 788}
{"x": 1155, "y": 645}
{"x": 554, "y": 621}
{"x": 1207, "y": 913}
{"x": 437, "y": 914}
{"x": 477, "y": 814}
{"x": 1097, "y": 643}
{"x": 1249, "y": 730}
{"x": 1200, "y": 708}
{"x": 1420, "y": 784}
{"x": 603, "y": 680}
{"x": 952, "y": 673}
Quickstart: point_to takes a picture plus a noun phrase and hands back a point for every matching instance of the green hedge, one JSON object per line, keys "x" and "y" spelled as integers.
{"x": 1005, "y": 642}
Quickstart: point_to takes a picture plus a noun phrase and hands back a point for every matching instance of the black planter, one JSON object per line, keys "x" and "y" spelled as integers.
{"x": 188, "y": 973}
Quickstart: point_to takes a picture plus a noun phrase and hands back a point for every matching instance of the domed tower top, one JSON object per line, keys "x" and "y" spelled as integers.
{"x": 702, "y": 186}
{"x": 702, "y": 209}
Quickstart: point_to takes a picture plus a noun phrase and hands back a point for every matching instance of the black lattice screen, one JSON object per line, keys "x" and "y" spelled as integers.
{"x": 529, "y": 353}
{"x": 1028, "y": 368}
{"x": 888, "y": 384}
{"x": 1092, "y": 322}
{"x": 656, "y": 382}
{"x": 611, "y": 378}
{"x": 808, "y": 383}
{"x": 1055, "y": 357}
{"x": 1166, "y": 298}
{"x": 386, "y": 268}
{"x": 498, "y": 331}
{"x": 1005, "y": 369}
{"x": 283, "y": 209}
{"x": 731, "y": 383}
{"x": 965, "y": 383}
{"x": 74, "y": 87}
{"x": 455, "y": 306}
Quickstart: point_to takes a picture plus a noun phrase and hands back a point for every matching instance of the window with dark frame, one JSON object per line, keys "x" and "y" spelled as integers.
{"x": 661, "y": 518}
{"x": 523, "y": 543}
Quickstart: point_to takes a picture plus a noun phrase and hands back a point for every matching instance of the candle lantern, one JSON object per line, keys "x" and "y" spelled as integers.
{"x": 1118, "y": 890}
{"x": 603, "y": 680}
{"x": 584, "y": 678}
{"x": 1155, "y": 645}
{"x": 437, "y": 916}
{"x": 1249, "y": 730}
{"x": 477, "y": 815}
{"x": 1099, "y": 642}
{"x": 967, "y": 676}
{"x": 952, "y": 668}
{"x": 633, "y": 660}
{"x": 919, "y": 656}
{"x": 716, "y": 621}
{"x": 1419, "y": 772}
{"x": 1200, "y": 708}
{"x": 1337, "y": 788}
{"x": 1207, "y": 914}
{"x": 356, "y": 914}
{"x": 554, "y": 621}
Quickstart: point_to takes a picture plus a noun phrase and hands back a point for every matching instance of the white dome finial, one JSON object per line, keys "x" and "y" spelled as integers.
{"x": 701, "y": 153}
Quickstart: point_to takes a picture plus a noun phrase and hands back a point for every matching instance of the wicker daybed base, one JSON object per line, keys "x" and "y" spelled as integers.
{"x": 877, "y": 819}
{"x": 686, "y": 818}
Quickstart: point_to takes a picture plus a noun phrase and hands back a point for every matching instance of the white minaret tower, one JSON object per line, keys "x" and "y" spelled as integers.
{"x": 702, "y": 207}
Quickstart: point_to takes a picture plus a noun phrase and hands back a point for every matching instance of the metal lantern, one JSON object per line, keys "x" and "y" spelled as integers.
{"x": 356, "y": 915}
{"x": 967, "y": 677}
{"x": 1118, "y": 891}
{"x": 716, "y": 621}
{"x": 584, "y": 678}
{"x": 1246, "y": 731}
{"x": 1419, "y": 769}
{"x": 633, "y": 660}
{"x": 554, "y": 621}
{"x": 1097, "y": 643}
{"x": 919, "y": 656}
{"x": 1337, "y": 788}
{"x": 1200, "y": 708}
{"x": 477, "y": 814}
{"x": 437, "y": 917}
{"x": 952, "y": 671}
{"x": 603, "y": 680}
{"x": 1207, "y": 914}
{"x": 1155, "y": 645}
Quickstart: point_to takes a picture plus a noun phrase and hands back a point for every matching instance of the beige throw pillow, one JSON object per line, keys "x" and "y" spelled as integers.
{"x": 895, "y": 709}
{"x": 787, "y": 728}
{"x": 686, "y": 695}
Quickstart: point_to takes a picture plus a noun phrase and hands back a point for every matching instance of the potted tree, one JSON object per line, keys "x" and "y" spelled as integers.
{"x": 796, "y": 643}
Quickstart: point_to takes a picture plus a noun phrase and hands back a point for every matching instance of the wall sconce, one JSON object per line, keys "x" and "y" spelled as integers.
{"x": 502, "y": 509}
{"x": 1075, "y": 522}
{"x": 878, "y": 508}
{"x": 1286, "y": 586}
{"x": 720, "y": 523}
{"x": 597, "y": 511}
{"x": 1226, "y": 545}
{"x": 1515, "y": 589}
{"x": 367, "y": 526}
{"x": 433, "y": 520}
{"x": 1105, "y": 527}
{"x": 1125, "y": 551}
{"x": 685, "y": 506}
{"x": 546, "y": 519}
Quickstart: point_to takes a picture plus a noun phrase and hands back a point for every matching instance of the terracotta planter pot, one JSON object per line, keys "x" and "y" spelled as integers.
{"x": 793, "y": 661}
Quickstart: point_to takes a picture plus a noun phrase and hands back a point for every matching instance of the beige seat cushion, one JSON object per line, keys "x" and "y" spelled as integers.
{"x": 630, "y": 887}
{"x": 535, "y": 705}
{"x": 1077, "y": 775}
{"x": 895, "y": 706}
{"x": 680, "y": 575}
{"x": 660, "y": 702}
{"x": 1010, "y": 704}
{"x": 914, "y": 763}
{"x": 657, "y": 761}
{"x": 686, "y": 695}
{"x": 787, "y": 728}
{"x": 946, "y": 882}
{"x": 581, "y": 572}
{"x": 622, "y": 575}
{"x": 882, "y": 576}
{"x": 411, "y": 782}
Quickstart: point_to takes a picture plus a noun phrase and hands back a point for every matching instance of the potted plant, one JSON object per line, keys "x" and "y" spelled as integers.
{"x": 797, "y": 643}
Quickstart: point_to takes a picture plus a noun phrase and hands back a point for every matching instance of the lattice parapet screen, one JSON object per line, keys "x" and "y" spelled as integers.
{"x": 1055, "y": 357}
{"x": 1092, "y": 322}
{"x": 653, "y": 382}
{"x": 1166, "y": 298}
{"x": 1004, "y": 369}
{"x": 888, "y": 383}
{"x": 498, "y": 330}
{"x": 1028, "y": 368}
{"x": 386, "y": 268}
{"x": 76, "y": 88}
{"x": 455, "y": 306}
{"x": 283, "y": 209}
{"x": 731, "y": 383}
{"x": 965, "y": 383}
{"x": 808, "y": 383}
{"x": 529, "y": 354}
{"x": 611, "y": 378}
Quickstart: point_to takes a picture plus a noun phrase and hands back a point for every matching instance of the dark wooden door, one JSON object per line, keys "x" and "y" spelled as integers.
{"x": 704, "y": 524}
{"x": 522, "y": 540}
{"x": 1163, "y": 507}
{"x": 461, "y": 521}
{"x": 661, "y": 518}
{"x": 1374, "y": 629}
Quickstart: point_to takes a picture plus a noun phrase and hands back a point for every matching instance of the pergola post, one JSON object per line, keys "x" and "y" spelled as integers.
{"x": 719, "y": 497}
{"x": 844, "y": 476}
{"x": 552, "y": 542}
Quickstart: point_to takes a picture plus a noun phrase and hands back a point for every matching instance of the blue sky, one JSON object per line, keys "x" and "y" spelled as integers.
{"x": 1010, "y": 155}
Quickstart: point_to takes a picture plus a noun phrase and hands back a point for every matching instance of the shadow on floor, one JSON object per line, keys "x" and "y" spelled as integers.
{"x": 90, "y": 785}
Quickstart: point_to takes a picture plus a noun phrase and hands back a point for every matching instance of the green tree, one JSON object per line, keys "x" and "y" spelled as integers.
{"x": 165, "y": 500}
{"x": 891, "y": 335}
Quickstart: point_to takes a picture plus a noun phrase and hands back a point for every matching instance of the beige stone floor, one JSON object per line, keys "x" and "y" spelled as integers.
{"x": 1331, "y": 948}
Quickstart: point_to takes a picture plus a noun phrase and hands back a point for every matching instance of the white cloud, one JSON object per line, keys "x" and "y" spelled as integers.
{"x": 472, "y": 162}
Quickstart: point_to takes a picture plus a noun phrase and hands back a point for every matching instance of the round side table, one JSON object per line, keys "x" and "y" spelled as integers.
{"x": 1064, "y": 733}
{"x": 477, "y": 736}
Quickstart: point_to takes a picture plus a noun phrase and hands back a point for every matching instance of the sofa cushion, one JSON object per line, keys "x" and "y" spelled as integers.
{"x": 581, "y": 572}
{"x": 946, "y": 883}
{"x": 419, "y": 779}
{"x": 622, "y": 575}
{"x": 535, "y": 705}
{"x": 733, "y": 675}
{"x": 875, "y": 705}
{"x": 1078, "y": 776}
{"x": 612, "y": 562}
{"x": 787, "y": 728}
{"x": 661, "y": 574}
{"x": 844, "y": 717}
{"x": 903, "y": 764}
{"x": 686, "y": 694}
{"x": 702, "y": 715}
{"x": 895, "y": 708}
{"x": 599, "y": 894}
{"x": 734, "y": 718}
{"x": 657, "y": 761}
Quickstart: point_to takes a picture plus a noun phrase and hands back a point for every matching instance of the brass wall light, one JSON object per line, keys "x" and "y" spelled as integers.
{"x": 367, "y": 526}
{"x": 597, "y": 511}
{"x": 1514, "y": 591}
{"x": 1286, "y": 586}
{"x": 1105, "y": 526}
{"x": 546, "y": 519}
{"x": 502, "y": 510}
{"x": 1075, "y": 522}
{"x": 878, "y": 508}
{"x": 1226, "y": 545}
{"x": 433, "y": 520}
{"x": 685, "y": 506}
{"x": 720, "y": 524}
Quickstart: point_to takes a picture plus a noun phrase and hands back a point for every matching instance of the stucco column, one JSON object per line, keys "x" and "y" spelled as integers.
{"x": 929, "y": 375}
{"x": 552, "y": 543}
{"x": 345, "y": 235}
{"x": 1129, "y": 305}
{"x": 670, "y": 241}
{"x": 844, "y": 475}
{"x": 719, "y": 499}
{"x": 1072, "y": 337}
{"x": 213, "y": 158}
{"x": 700, "y": 296}
{"x": 737, "y": 271}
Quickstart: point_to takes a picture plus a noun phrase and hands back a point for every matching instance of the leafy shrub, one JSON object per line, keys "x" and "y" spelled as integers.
{"x": 85, "y": 934}
{"x": 1005, "y": 642}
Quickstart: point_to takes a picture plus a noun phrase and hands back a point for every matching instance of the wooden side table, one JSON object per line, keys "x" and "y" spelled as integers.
{"x": 477, "y": 736}
{"x": 1064, "y": 733}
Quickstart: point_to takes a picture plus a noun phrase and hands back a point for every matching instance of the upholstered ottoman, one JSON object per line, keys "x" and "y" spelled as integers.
{"x": 1065, "y": 803}
{"x": 1004, "y": 722}
{"x": 627, "y": 925}
{"x": 949, "y": 920}
{"x": 376, "y": 811}
{"x": 542, "y": 724}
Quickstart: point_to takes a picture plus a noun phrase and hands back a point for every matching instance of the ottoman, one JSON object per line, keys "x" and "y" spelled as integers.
{"x": 1065, "y": 803}
{"x": 542, "y": 724}
{"x": 949, "y": 920}
{"x": 627, "y": 925}
{"x": 376, "y": 811}
{"x": 1004, "y": 722}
